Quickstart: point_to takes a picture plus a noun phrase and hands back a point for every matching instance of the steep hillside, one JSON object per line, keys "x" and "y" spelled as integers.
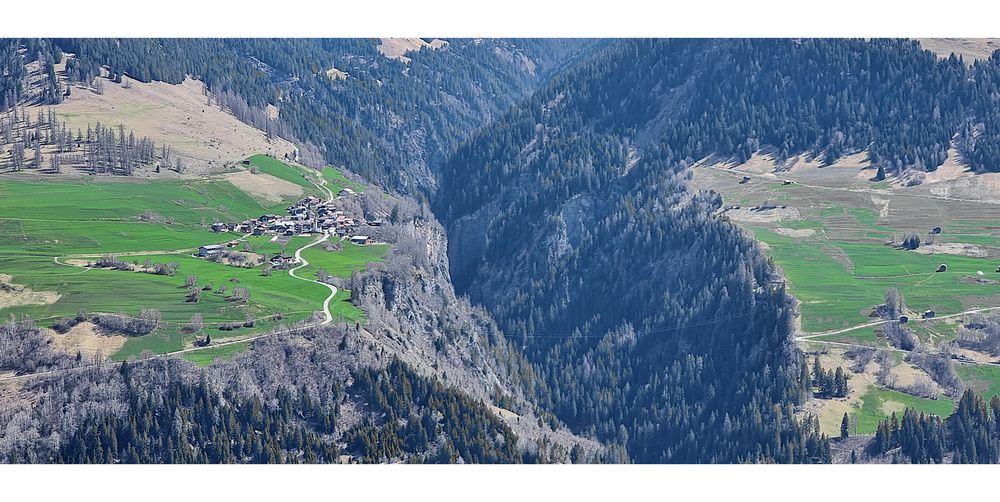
{"x": 650, "y": 322}
{"x": 343, "y": 101}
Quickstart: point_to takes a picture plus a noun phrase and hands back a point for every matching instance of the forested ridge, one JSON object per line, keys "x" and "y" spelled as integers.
{"x": 284, "y": 403}
{"x": 389, "y": 121}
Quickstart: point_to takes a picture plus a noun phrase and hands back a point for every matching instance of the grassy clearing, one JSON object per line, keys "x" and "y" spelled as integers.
{"x": 342, "y": 262}
{"x": 834, "y": 297}
{"x": 877, "y": 404}
{"x": 209, "y": 355}
{"x": 983, "y": 378}
{"x": 278, "y": 169}
{"x": 336, "y": 181}
{"x": 60, "y": 217}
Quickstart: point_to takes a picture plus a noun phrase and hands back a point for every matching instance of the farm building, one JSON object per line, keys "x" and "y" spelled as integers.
{"x": 211, "y": 250}
{"x": 746, "y": 179}
{"x": 282, "y": 261}
{"x": 220, "y": 227}
{"x": 360, "y": 239}
{"x": 786, "y": 182}
{"x": 346, "y": 192}
{"x": 928, "y": 314}
{"x": 942, "y": 268}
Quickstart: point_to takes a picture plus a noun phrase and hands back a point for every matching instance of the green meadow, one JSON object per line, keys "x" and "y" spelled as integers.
{"x": 982, "y": 378}
{"x": 164, "y": 220}
{"x": 278, "y": 169}
{"x": 209, "y": 355}
{"x": 877, "y": 404}
{"x": 838, "y": 283}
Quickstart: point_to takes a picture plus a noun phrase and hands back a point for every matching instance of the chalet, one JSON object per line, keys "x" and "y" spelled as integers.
{"x": 746, "y": 179}
{"x": 258, "y": 230}
{"x": 786, "y": 182}
{"x": 346, "y": 192}
{"x": 282, "y": 261}
{"x": 220, "y": 227}
{"x": 211, "y": 250}
{"x": 928, "y": 314}
{"x": 343, "y": 230}
{"x": 377, "y": 222}
{"x": 232, "y": 244}
{"x": 942, "y": 268}
{"x": 360, "y": 240}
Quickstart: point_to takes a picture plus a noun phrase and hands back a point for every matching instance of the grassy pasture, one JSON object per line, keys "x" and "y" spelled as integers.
{"x": 342, "y": 262}
{"x": 209, "y": 355}
{"x": 983, "y": 378}
{"x": 163, "y": 220}
{"x": 877, "y": 404}
{"x": 833, "y": 296}
{"x": 278, "y": 169}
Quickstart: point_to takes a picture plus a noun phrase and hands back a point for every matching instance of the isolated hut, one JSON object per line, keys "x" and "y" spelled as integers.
{"x": 942, "y": 268}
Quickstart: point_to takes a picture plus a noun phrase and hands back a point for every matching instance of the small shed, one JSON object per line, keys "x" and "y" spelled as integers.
{"x": 746, "y": 179}
{"x": 346, "y": 192}
{"x": 942, "y": 268}
{"x": 786, "y": 182}
{"x": 928, "y": 314}
{"x": 360, "y": 239}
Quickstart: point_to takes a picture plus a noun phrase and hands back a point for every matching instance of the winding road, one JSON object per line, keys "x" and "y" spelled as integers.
{"x": 327, "y": 315}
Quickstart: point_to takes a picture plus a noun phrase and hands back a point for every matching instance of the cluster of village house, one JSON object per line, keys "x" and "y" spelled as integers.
{"x": 310, "y": 215}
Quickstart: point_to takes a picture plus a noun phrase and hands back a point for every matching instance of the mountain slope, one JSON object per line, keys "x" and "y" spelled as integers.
{"x": 343, "y": 101}
{"x": 652, "y": 323}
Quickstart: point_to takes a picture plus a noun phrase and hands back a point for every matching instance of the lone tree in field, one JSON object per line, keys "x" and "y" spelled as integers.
{"x": 197, "y": 324}
{"x": 894, "y": 303}
{"x": 911, "y": 241}
{"x": 845, "y": 426}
